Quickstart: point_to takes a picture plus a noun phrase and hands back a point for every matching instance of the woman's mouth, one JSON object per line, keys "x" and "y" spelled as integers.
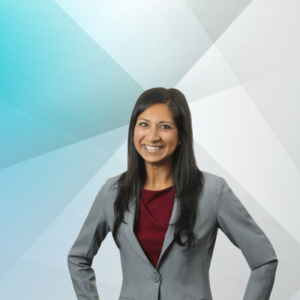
{"x": 150, "y": 149}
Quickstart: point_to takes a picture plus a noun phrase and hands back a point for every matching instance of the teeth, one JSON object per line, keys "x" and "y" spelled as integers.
{"x": 152, "y": 148}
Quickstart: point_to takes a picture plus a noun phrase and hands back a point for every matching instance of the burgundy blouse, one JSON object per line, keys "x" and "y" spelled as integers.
{"x": 155, "y": 214}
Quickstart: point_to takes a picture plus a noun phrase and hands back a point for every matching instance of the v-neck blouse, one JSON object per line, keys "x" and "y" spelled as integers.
{"x": 155, "y": 214}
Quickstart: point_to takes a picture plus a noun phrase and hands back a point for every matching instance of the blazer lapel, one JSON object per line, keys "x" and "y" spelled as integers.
{"x": 169, "y": 236}
{"x": 129, "y": 219}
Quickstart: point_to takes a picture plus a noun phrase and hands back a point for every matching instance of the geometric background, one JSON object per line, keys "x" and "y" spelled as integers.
{"x": 70, "y": 74}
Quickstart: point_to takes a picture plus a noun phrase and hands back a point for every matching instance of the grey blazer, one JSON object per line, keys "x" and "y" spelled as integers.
{"x": 178, "y": 275}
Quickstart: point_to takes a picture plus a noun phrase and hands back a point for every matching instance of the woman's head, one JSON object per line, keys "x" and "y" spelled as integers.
{"x": 160, "y": 117}
{"x": 156, "y": 134}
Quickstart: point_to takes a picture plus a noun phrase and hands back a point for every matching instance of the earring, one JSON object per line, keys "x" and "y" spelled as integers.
{"x": 179, "y": 143}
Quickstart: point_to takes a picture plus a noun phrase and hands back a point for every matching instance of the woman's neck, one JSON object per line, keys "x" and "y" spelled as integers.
{"x": 158, "y": 177}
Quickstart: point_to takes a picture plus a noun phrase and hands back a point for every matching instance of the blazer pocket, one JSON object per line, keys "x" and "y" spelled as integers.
{"x": 125, "y": 298}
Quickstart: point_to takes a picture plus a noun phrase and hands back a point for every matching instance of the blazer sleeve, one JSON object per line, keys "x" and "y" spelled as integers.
{"x": 235, "y": 221}
{"x": 85, "y": 247}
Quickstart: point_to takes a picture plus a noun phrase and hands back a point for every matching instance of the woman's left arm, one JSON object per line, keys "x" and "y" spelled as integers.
{"x": 238, "y": 225}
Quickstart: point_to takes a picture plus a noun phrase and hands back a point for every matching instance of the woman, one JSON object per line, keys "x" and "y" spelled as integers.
{"x": 166, "y": 238}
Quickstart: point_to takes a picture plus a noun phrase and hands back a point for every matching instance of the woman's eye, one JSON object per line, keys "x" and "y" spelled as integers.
{"x": 167, "y": 127}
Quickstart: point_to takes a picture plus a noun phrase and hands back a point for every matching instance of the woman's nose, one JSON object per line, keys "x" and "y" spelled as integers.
{"x": 153, "y": 134}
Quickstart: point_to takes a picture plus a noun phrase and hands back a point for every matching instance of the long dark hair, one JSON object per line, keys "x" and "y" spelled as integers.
{"x": 188, "y": 179}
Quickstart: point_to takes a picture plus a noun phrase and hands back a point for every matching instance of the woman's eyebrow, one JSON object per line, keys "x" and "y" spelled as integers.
{"x": 158, "y": 122}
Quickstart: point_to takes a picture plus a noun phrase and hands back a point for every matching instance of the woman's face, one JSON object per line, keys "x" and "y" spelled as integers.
{"x": 155, "y": 127}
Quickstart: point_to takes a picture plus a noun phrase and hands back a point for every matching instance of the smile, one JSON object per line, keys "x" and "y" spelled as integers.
{"x": 153, "y": 148}
{"x": 150, "y": 149}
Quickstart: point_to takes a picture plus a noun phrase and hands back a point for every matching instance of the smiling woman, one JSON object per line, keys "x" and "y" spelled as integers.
{"x": 155, "y": 139}
{"x": 164, "y": 214}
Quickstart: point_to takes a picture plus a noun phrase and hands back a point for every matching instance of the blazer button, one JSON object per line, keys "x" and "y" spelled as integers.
{"x": 155, "y": 277}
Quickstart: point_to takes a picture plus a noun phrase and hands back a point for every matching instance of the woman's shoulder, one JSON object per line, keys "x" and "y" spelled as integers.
{"x": 111, "y": 182}
{"x": 210, "y": 179}
{"x": 108, "y": 192}
{"x": 211, "y": 186}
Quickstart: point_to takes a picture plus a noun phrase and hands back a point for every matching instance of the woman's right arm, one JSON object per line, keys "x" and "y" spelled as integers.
{"x": 85, "y": 247}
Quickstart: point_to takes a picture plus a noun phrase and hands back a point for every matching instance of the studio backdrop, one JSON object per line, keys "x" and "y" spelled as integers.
{"x": 70, "y": 74}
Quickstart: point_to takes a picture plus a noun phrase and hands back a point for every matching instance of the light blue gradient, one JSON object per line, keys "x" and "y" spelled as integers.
{"x": 66, "y": 87}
